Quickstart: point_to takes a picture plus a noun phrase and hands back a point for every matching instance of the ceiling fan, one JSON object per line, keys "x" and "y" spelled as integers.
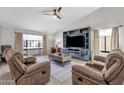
{"x": 55, "y": 13}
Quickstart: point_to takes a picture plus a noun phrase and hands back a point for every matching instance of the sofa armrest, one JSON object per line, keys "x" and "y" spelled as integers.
{"x": 99, "y": 58}
{"x": 36, "y": 74}
{"x": 95, "y": 66}
{"x": 36, "y": 67}
{"x": 88, "y": 72}
{"x": 29, "y": 59}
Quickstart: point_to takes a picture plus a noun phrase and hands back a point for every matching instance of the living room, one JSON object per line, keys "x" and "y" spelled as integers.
{"x": 83, "y": 51}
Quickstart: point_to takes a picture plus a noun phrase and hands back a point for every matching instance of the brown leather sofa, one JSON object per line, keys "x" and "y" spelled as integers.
{"x": 38, "y": 73}
{"x": 111, "y": 74}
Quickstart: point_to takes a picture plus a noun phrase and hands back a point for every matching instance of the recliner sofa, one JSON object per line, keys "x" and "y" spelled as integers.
{"x": 38, "y": 73}
{"x": 111, "y": 74}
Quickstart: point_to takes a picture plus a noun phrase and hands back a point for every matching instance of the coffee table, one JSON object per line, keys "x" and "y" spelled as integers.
{"x": 60, "y": 58}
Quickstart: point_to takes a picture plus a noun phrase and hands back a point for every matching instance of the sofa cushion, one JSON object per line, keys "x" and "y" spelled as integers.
{"x": 29, "y": 59}
{"x": 99, "y": 63}
{"x": 99, "y": 58}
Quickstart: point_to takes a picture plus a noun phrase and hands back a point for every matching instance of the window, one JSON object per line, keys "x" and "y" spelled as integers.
{"x": 32, "y": 42}
{"x": 105, "y": 39}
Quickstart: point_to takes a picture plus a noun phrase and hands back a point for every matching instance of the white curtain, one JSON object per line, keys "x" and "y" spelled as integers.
{"x": 19, "y": 41}
{"x": 96, "y": 42}
{"x": 45, "y": 45}
{"x": 115, "y": 38}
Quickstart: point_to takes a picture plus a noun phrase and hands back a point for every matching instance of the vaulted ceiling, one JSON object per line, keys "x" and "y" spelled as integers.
{"x": 31, "y": 18}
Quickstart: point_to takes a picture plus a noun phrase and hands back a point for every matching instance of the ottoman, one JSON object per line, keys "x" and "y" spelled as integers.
{"x": 60, "y": 58}
{"x": 29, "y": 59}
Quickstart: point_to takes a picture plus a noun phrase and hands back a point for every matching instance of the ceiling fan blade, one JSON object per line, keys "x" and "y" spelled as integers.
{"x": 47, "y": 14}
{"x": 59, "y": 9}
{"x": 58, "y": 17}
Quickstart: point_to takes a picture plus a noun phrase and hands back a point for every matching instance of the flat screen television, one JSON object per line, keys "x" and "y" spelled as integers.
{"x": 76, "y": 41}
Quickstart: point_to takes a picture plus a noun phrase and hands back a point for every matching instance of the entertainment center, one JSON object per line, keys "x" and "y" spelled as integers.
{"x": 77, "y": 43}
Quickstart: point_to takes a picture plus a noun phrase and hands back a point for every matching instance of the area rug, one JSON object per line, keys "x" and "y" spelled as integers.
{"x": 6, "y": 79}
{"x": 59, "y": 72}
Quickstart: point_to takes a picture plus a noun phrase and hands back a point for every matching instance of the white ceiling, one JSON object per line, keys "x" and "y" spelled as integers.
{"x": 30, "y": 18}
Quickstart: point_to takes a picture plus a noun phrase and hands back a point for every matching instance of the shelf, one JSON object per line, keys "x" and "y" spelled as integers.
{"x": 84, "y": 52}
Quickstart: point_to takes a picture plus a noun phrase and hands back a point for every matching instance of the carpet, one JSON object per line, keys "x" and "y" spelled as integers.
{"x": 6, "y": 79}
{"x": 59, "y": 72}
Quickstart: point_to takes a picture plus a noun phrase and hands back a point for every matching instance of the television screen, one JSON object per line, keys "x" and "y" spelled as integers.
{"x": 76, "y": 41}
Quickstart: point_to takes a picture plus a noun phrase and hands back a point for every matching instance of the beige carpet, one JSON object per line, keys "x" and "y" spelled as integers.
{"x": 6, "y": 79}
{"x": 61, "y": 73}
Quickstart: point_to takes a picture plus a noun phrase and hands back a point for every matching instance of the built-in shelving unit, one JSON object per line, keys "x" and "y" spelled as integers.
{"x": 83, "y": 53}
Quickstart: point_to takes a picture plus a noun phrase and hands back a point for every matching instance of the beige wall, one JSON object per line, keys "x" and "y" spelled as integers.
{"x": 7, "y": 36}
{"x": 104, "y": 17}
{"x": 0, "y": 35}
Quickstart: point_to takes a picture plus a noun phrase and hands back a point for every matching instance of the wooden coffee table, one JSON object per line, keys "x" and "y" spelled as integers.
{"x": 60, "y": 58}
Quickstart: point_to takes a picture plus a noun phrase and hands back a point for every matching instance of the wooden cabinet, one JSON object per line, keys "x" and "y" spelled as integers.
{"x": 55, "y": 50}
